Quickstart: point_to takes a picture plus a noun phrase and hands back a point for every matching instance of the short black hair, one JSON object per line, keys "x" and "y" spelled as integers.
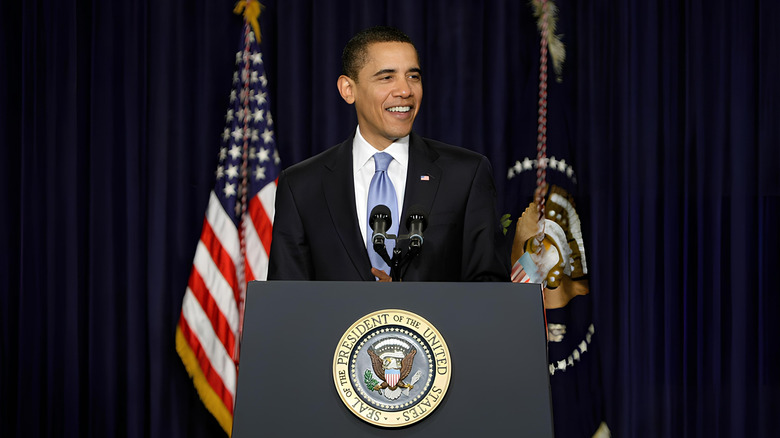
{"x": 355, "y": 54}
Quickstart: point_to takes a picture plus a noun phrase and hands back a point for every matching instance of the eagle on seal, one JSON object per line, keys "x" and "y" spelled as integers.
{"x": 391, "y": 365}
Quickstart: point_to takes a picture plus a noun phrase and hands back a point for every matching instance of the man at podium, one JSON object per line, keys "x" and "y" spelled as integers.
{"x": 386, "y": 179}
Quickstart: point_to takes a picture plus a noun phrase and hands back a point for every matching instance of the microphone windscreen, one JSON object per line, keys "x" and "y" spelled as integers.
{"x": 416, "y": 212}
{"x": 380, "y": 210}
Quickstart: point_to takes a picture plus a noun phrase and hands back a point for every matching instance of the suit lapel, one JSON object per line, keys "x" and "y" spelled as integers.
{"x": 339, "y": 187}
{"x": 422, "y": 178}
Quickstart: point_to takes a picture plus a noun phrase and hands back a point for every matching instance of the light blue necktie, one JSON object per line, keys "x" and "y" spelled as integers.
{"x": 381, "y": 191}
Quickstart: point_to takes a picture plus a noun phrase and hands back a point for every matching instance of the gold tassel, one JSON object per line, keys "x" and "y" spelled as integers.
{"x": 555, "y": 46}
{"x": 251, "y": 10}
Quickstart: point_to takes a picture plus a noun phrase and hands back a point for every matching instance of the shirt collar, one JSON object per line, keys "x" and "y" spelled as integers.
{"x": 362, "y": 151}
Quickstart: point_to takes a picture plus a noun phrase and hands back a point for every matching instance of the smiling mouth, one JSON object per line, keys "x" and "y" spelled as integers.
{"x": 399, "y": 109}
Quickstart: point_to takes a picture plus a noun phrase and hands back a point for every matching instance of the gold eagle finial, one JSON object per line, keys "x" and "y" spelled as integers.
{"x": 251, "y": 10}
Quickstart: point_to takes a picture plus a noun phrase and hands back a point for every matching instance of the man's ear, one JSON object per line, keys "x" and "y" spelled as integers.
{"x": 346, "y": 88}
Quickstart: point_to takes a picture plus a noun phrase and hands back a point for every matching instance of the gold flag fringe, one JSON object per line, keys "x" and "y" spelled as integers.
{"x": 210, "y": 399}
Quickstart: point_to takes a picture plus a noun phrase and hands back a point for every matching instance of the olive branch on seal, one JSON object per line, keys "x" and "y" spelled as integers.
{"x": 368, "y": 378}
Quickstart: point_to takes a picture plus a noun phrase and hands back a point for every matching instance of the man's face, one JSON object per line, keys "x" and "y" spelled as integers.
{"x": 387, "y": 94}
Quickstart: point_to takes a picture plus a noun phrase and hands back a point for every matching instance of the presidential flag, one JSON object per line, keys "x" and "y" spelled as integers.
{"x": 236, "y": 235}
{"x": 556, "y": 256}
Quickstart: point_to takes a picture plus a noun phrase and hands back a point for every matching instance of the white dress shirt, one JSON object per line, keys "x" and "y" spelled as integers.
{"x": 363, "y": 171}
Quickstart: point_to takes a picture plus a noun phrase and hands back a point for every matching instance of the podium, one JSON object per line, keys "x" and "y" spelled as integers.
{"x": 495, "y": 333}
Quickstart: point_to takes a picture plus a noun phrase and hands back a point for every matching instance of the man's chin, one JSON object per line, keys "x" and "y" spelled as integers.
{"x": 400, "y": 132}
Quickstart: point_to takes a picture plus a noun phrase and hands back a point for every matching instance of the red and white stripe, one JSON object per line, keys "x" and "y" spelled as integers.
{"x": 259, "y": 224}
{"x": 209, "y": 318}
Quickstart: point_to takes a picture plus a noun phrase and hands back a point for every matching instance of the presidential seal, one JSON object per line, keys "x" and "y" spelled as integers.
{"x": 392, "y": 368}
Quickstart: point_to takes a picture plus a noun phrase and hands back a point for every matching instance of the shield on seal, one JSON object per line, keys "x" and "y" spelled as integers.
{"x": 392, "y": 376}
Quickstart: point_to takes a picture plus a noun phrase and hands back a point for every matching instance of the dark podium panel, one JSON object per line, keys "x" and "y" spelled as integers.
{"x": 495, "y": 333}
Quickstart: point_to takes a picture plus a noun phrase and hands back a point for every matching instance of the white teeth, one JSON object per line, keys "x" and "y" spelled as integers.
{"x": 400, "y": 109}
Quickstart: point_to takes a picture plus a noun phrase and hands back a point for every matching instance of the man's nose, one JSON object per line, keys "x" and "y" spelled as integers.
{"x": 404, "y": 89}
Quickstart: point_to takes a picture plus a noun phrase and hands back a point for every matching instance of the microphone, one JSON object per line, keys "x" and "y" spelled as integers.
{"x": 380, "y": 222}
{"x": 416, "y": 223}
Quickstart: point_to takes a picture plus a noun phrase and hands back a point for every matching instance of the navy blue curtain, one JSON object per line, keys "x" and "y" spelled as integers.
{"x": 110, "y": 116}
{"x": 679, "y": 106}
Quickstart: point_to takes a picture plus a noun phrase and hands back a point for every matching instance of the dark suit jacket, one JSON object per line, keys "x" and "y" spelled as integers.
{"x": 316, "y": 234}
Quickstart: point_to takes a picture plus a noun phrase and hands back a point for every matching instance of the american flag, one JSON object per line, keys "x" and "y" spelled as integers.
{"x": 235, "y": 240}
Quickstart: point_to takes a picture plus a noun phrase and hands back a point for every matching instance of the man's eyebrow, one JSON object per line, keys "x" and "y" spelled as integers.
{"x": 385, "y": 71}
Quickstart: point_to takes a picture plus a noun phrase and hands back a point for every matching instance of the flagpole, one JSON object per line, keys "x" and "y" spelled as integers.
{"x": 541, "y": 133}
{"x": 251, "y": 11}
{"x": 243, "y": 190}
